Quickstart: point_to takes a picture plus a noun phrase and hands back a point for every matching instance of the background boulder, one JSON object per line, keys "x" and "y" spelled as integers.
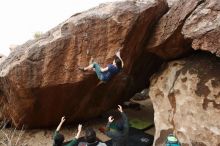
{"x": 166, "y": 40}
{"x": 203, "y": 27}
{"x": 186, "y": 100}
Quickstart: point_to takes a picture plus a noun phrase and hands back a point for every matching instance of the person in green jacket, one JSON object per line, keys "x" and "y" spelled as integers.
{"x": 117, "y": 130}
{"x": 58, "y": 138}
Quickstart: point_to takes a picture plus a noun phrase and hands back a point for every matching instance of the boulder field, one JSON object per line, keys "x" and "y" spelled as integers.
{"x": 170, "y": 46}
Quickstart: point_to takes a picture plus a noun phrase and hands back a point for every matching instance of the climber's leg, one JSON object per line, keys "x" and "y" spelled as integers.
{"x": 96, "y": 68}
{"x": 98, "y": 71}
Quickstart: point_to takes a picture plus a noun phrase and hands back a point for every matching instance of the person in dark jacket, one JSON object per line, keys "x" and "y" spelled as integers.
{"x": 58, "y": 138}
{"x": 90, "y": 139}
{"x": 118, "y": 130}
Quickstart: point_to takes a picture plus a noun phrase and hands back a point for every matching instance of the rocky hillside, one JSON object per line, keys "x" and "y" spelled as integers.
{"x": 40, "y": 80}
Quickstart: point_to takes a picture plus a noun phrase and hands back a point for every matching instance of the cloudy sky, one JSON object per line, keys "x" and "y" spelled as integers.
{"x": 20, "y": 19}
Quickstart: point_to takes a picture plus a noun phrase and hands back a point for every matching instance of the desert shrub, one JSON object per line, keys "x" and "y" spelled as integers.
{"x": 37, "y": 35}
{"x": 9, "y": 136}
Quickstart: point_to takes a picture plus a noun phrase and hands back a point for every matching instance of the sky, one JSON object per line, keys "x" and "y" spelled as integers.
{"x": 20, "y": 19}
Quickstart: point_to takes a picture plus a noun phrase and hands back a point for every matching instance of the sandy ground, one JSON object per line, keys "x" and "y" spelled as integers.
{"x": 43, "y": 137}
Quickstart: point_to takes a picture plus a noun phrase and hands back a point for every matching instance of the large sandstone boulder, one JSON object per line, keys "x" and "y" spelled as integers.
{"x": 186, "y": 100}
{"x": 41, "y": 82}
{"x": 203, "y": 27}
{"x": 167, "y": 40}
{"x": 188, "y": 24}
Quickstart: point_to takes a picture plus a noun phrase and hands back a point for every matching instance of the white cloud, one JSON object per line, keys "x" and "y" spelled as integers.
{"x": 20, "y": 19}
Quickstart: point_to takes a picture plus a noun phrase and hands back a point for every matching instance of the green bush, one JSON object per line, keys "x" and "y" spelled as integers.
{"x": 37, "y": 35}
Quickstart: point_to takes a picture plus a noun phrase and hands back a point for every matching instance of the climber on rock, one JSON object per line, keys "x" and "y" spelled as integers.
{"x": 58, "y": 138}
{"x": 105, "y": 74}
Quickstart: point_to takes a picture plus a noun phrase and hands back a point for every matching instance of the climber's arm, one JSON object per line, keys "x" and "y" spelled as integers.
{"x": 122, "y": 63}
{"x": 61, "y": 123}
{"x": 118, "y": 54}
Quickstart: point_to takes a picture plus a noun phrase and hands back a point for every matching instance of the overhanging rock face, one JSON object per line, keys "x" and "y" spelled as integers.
{"x": 188, "y": 25}
{"x": 40, "y": 80}
{"x": 203, "y": 27}
{"x": 166, "y": 40}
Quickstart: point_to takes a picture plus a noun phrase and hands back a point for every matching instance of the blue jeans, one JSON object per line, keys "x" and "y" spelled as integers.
{"x": 98, "y": 71}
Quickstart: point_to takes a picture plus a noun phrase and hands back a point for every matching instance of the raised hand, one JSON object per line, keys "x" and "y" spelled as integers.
{"x": 79, "y": 131}
{"x": 61, "y": 123}
{"x": 63, "y": 119}
{"x": 110, "y": 119}
{"x": 80, "y": 127}
{"x": 120, "y": 108}
{"x": 118, "y": 53}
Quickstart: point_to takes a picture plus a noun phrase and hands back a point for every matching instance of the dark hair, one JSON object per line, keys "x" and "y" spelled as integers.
{"x": 118, "y": 62}
{"x": 58, "y": 139}
{"x": 90, "y": 135}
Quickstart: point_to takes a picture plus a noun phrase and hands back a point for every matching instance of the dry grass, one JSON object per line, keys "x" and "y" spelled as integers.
{"x": 10, "y": 137}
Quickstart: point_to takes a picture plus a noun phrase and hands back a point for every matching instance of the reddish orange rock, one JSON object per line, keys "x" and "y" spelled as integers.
{"x": 167, "y": 40}
{"x": 40, "y": 80}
